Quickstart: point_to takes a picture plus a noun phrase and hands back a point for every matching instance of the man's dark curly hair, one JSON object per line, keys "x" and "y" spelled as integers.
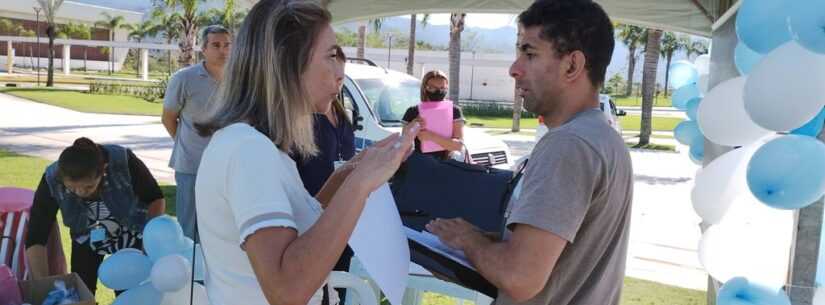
{"x": 572, "y": 25}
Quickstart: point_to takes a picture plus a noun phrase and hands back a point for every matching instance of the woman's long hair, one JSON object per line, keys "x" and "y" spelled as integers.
{"x": 262, "y": 79}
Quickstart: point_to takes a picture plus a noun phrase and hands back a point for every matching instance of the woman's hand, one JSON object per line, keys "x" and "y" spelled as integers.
{"x": 379, "y": 162}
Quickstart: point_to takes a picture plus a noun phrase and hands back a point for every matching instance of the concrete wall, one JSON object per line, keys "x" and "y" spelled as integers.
{"x": 483, "y": 76}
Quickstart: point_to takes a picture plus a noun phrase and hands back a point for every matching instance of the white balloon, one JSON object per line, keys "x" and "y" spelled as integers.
{"x": 170, "y": 273}
{"x": 702, "y": 64}
{"x": 722, "y": 116}
{"x": 753, "y": 241}
{"x": 181, "y": 297}
{"x": 785, "y": 89}
{"x": 721, "y": 183}
{"x": 703, "y": 83}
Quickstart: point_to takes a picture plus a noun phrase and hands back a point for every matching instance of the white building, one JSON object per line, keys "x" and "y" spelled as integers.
{"x": 23, "y": 11}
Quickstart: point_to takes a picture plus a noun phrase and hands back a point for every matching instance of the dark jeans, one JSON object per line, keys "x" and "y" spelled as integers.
{"x": 85, "y": 263}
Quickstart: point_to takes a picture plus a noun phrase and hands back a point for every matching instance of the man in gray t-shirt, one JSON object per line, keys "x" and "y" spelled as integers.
{"x": 186, "y": 100}
{"x": 567, "y": 230}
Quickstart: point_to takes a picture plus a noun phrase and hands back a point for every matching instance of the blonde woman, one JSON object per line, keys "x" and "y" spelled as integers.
{"x": 265, "y": 239}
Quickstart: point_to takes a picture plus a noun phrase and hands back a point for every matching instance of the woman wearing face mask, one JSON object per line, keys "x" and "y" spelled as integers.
{"x": 105, "y": 194}
{"x": 434, "y": 87}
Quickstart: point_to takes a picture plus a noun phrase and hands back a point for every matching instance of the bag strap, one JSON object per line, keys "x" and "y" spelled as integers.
{"x": 509, "y": 194}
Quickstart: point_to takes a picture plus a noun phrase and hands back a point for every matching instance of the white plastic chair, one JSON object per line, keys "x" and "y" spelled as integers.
{"x": 366, "y": 293}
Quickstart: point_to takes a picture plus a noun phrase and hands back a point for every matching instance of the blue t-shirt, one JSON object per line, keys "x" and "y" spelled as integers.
{"x": 334, "y": 143}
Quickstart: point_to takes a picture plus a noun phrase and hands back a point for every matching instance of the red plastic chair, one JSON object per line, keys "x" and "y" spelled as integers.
{"x": 15, "y": 204}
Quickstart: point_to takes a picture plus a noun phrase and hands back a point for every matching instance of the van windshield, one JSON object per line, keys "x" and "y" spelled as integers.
{"x": 390, "y": 98}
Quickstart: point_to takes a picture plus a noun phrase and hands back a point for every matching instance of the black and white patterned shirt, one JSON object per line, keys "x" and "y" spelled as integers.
{"x": 117, "y": 236}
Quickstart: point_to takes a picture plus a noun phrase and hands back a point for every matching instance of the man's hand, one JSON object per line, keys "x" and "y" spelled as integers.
{"x": 456, "y": 233}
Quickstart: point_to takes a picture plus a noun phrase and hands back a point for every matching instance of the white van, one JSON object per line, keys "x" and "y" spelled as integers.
{"x": 378, "y": 99}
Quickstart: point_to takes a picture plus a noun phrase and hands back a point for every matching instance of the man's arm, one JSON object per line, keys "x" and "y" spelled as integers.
{"x": 520, "y": 267}
{"x": 173, "y": 102}
{"x": 169, "y": 118}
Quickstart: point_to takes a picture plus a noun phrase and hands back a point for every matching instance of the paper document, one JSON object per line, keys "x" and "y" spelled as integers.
{"x": 432, "y": 242}
{"x": 378, "y": 242}
{"x": 439, "y": 118}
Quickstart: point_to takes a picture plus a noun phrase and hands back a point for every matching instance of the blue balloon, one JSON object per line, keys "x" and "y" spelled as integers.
{"x": 806, "y": 20}
{"x": 687, "y": 132}
{"x": 145, "y": 294}
{"x": 684, "y": 94}
{"x": 125, "y": 269}
{"x": 813, "y": 127}
{"x": 745, "y": 58}
{"x": 682, "y": 73}
{"x": 697, "y": 150}
{"x": 162, "y": 236}
{"x": 740, "y": 291}
{"x": 788, "y": 172}
{"x": 692, "y": 108}
{"x": 762, "y": 24}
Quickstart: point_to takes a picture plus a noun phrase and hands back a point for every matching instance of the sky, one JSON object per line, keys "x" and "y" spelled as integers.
{"x": 487, "y": 21}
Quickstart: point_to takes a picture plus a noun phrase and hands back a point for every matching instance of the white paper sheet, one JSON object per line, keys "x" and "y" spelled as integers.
{"x": 380, "y": 244}
{"x": 433, "y": 243}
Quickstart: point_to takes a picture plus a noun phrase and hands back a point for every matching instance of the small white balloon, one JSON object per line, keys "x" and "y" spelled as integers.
{"x": 785, "y": 89}
{"x": 702, "y": 64}
{"x": 171, "y": 273}
{"x": 724, "y": 107}
{"x": 180, "y": 297}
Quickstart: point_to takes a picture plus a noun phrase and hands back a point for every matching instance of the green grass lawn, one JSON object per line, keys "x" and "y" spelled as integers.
{"x": 624, "y": 101}
{"x": 84, "y": 102}
{"x": 24, "y": 171}
{"x": 628, "y": 123}
{"x": 95, "y": 103}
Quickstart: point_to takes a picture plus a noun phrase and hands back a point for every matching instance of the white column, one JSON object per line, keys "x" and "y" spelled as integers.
{"x": 9, "y": 58}
{"x": 144, "y": 64}
{"x": 67, "y": 59}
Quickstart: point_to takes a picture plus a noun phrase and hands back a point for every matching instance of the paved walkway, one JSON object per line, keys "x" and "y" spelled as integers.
{"x": 664, "y": 230}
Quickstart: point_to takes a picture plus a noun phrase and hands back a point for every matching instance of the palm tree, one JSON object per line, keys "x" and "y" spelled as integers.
{"x": 632, "y": 36}
{"x": 138, "y": 32}
{"x": 670, "y": 44}
{"x": 169, "y": 26}
{"x": 411, "y": 47}
{"x": 362, "y": 34}
{"x": 50, "y": 8}
{"x": 188, "y": 25}
{"x": 649, "y": 83}
{"x": 456, "y": 27}
{"x": 111, "y": 23}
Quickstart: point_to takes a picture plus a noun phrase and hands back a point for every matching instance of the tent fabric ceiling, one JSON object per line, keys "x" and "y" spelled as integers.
{"x": 673, "y": 15}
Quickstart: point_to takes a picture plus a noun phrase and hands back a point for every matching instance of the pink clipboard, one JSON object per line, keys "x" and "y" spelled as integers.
{"x": 439, "y": 118}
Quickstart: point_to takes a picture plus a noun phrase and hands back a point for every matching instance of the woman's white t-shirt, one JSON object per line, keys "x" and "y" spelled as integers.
{"x": 244, "y": 184}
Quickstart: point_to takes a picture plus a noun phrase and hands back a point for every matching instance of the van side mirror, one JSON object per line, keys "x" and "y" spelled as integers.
{"x": 621, "y": 112}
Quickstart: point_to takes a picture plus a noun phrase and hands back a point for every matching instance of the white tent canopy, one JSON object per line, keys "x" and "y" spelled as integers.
{"x": 688, "y": 16}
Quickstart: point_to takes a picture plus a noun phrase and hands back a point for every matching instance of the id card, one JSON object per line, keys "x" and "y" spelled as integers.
{"x": 339, "y": 163}
{"x": 98, "y": 234}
